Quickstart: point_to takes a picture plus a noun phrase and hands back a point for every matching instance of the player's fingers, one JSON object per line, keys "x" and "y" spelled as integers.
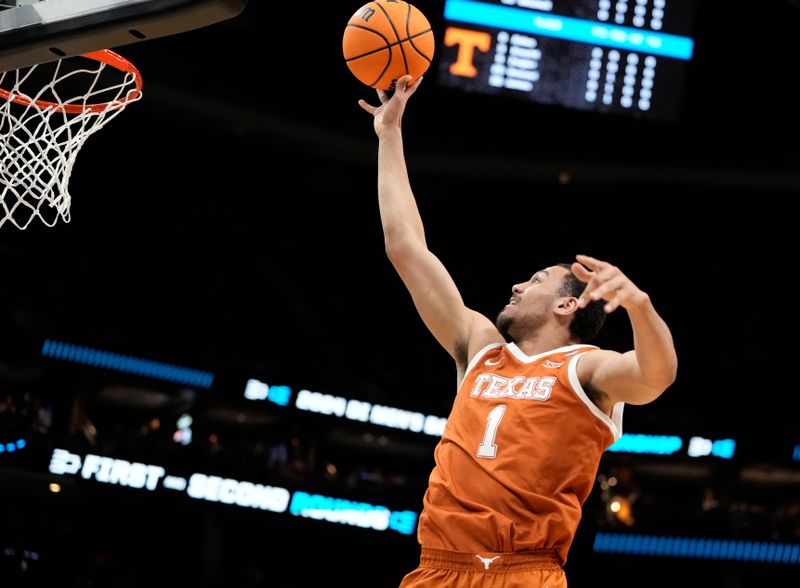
{"x": 382, "y": 96}
{"x": 612, "y": 304}
{"x": 580, "y": 272}
{"x": 413, "y": 87}
{"x": 590, "y": 262}
{"x": 592, "y": 282}
{"x": 402, "y": 83}
{"x": 606, "y": 289}
{"x": 368, "y": 107}
{"x": 586, "y": 296}
{"x": 606, "y": 274}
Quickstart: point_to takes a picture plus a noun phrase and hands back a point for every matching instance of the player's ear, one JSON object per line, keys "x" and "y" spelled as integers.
{"x": 567, "y": 305}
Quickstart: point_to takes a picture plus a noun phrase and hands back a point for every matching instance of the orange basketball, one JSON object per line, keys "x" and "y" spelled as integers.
{"x": 385, "y": 40}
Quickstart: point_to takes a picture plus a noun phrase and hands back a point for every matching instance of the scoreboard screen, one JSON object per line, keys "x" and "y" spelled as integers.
{"x": 608, "y": 56}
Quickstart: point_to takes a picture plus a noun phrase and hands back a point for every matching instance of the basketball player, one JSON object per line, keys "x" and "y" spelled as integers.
{"x": 536, "y": 406}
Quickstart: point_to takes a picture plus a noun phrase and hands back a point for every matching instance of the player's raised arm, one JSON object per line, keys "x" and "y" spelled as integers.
{"x": 438, "y": 301}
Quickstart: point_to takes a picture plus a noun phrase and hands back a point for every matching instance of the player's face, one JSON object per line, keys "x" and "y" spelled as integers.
{"x": 531, "y": 302}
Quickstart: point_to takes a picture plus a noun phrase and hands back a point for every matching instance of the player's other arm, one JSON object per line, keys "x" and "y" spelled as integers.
{"x": 638, "y": 376}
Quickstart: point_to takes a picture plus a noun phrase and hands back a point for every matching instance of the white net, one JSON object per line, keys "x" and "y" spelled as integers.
{"x": 47, "y": 112}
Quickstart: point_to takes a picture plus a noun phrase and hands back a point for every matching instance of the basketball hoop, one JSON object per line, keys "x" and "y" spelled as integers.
{"x": 41, "y": 131}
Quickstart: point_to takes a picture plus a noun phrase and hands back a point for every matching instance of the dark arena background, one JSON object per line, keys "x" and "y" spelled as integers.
{"x": 213, "y": 377}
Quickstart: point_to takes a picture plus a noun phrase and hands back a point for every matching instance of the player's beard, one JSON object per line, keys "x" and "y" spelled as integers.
{"x": 503, "y": 324}
{"x": 513, "y": 322}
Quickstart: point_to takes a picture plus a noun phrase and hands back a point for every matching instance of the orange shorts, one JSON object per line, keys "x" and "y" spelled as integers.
{"x": 451, "y": 569}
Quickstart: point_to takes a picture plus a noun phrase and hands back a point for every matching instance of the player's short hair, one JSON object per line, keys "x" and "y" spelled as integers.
{"x": 587, "y": 322}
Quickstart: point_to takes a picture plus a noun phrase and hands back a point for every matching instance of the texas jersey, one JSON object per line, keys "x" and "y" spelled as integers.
{"x": 518, "y": 456}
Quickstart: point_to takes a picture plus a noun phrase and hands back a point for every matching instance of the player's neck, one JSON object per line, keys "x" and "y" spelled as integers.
{"x": 537, "y": 343}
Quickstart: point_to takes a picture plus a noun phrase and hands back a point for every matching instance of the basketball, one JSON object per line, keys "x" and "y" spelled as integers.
{"x": 386, "y": 40}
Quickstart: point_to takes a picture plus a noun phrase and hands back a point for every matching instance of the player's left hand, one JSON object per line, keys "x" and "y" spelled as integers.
{"x": 607, "y": 282}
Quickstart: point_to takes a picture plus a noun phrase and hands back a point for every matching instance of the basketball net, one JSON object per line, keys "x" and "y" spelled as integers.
{"x": 47, "y": 111}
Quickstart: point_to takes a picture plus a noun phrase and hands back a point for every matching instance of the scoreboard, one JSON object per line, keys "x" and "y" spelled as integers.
{"x": 609, "y": 56}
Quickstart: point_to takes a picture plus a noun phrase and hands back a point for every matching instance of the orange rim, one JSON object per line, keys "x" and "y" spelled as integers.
{"x": 105, "y": 56}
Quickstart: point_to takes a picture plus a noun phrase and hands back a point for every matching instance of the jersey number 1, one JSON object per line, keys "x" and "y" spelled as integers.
{"x": 487, "y": 448}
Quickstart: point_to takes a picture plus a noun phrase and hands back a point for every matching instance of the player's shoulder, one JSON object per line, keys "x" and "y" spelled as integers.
{"x": 593, "y": 359}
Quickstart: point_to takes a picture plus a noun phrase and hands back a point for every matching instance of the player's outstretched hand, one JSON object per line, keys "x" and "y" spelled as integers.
{"x": 390, "y": 112}
{"x": 607, "y": 282}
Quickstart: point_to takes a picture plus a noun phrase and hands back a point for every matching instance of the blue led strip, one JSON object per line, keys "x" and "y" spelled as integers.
{"x": 9, "y": 447}
{"x": 698, "y": 548}
{"x": 570, "y": 29}
{"x": 652, "y": 444}
{"x": 127, "y": 364}
{"x": 347, "y": 512}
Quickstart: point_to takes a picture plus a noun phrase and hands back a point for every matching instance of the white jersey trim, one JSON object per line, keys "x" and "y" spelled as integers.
{"x": 520, "y": 355}
{"x": 614, "y": 422}
{"x": 477, "y": 357}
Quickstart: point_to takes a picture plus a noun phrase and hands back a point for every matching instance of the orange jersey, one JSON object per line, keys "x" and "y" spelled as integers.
{"x": 519, "y": 455}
